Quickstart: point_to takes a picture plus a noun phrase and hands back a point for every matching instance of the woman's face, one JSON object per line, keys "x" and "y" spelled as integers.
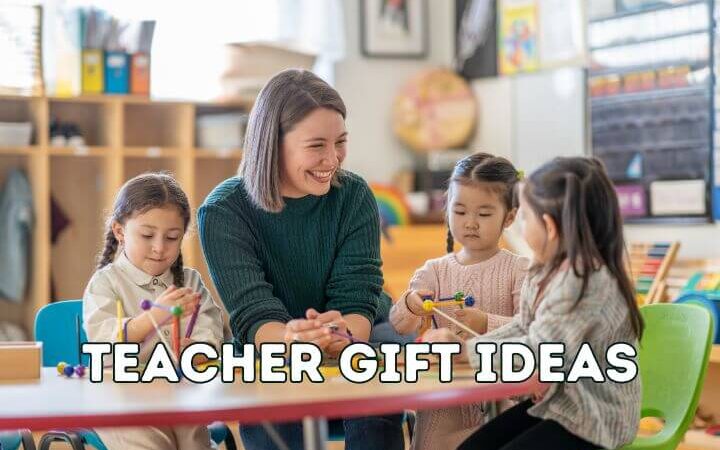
{"x": 311, "y": 153}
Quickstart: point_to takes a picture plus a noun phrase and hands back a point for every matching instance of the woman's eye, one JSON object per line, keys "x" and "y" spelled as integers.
{"x": 172, "y": 238}
{"x": 484, "y": 215}
{"x": 147, "y": 236}
{"x": 459, "y": 213}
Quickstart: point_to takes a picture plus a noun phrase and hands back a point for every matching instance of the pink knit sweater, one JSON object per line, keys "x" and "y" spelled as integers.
{"x": 495, "y": 285}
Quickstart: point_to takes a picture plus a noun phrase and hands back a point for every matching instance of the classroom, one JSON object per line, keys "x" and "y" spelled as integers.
{"x": 359, "y": 224}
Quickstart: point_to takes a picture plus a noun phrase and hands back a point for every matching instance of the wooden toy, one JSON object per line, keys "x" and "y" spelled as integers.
{"x": 20, "y": 360}
{"x": 176, "y": 312}
{"x": 649, "y": 266}
{"x": 457, "y": 300}
{"x": 120, "y": 315}
{"x": 429, "y": 305}
{"x": 145, "y": 305}
{"x": 191, "y": 324}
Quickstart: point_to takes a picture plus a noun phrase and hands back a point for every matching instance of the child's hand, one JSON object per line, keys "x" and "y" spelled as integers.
{"x": 441, "y": 335}
{"x": 446, "y": 335}
{"x": 414, "y": 302}
{"x": 476, "y": 319}
{"x": 182, "y": 297}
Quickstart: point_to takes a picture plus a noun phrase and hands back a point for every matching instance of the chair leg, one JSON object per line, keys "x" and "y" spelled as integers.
{"x": 27, "y": 440}
{"x": 69, "y": 437}
{"x": 230, "y": 441}
{"x": 410, "y": 420}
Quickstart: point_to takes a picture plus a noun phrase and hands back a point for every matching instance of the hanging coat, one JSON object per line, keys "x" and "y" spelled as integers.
{"x": 16, "y": 222}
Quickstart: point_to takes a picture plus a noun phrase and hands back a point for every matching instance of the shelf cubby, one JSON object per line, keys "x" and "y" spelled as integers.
{"x": 124, "y": 136}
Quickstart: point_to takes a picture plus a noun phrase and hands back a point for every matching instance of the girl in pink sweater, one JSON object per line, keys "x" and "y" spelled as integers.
{"x": 481, "y": 203}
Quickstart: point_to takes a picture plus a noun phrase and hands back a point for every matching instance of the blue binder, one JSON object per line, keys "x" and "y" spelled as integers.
{"x": 117, "y": 73}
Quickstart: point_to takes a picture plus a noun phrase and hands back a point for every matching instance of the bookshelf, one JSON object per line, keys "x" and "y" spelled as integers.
{"x": 124, "y": 136}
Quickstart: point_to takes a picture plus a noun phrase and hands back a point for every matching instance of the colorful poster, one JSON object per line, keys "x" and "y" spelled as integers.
{"x": 632, "y": 200}
{"x": 518, "y": 37}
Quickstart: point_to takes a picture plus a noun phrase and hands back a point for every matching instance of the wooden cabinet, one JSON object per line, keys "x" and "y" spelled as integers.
{"x": 124, "y": 136}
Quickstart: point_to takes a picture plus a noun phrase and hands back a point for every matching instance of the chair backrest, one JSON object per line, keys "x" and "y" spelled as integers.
{"x": 673, "y": 360}
{"x": 59, "y": 327}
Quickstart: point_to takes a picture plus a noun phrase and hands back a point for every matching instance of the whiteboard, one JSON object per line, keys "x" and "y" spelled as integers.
{"x": 549, "y": 117}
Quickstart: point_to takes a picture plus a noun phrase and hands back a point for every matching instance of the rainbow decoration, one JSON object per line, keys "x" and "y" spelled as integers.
{"x": 391, "y": 204}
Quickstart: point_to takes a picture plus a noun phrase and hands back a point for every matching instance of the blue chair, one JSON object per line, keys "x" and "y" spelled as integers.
{"x": 59, "y": 327}
{"x": 13, "y": 440}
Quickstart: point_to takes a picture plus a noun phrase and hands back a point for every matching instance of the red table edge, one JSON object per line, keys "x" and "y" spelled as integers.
{"x": 366, "y": 406}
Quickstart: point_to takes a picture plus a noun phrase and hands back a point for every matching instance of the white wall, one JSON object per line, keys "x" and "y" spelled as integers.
{"x": 369, "y": 85}
{"x": 527, "y": 118}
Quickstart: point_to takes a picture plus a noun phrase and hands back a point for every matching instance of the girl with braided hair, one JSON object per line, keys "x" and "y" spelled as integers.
{"x": 141, "y": 259}
{"x": 481, "y": 203}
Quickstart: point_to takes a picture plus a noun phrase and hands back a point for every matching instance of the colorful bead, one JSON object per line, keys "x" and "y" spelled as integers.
{"x": 61, "y": 367}
{"x": 80, "y": 370}
{"x": 428, "y": 305}
{"x": 68, "y": 371}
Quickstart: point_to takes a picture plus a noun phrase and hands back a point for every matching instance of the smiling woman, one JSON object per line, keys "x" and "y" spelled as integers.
{"x": 293, "y": 242}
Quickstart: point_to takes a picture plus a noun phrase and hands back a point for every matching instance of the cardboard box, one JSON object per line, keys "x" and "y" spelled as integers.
{"x": 20, "y": 360}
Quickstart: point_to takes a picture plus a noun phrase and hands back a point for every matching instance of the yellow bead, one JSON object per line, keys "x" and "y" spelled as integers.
{"x": 428, "y": 305}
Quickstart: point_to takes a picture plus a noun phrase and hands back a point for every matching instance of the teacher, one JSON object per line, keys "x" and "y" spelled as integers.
{"x": 293, "y": 242}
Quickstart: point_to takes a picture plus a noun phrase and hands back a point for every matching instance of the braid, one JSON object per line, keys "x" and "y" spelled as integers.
{"x": 177, "y": 271}
{"x": 450, "y": 242}
{"x": 108, "y": 253}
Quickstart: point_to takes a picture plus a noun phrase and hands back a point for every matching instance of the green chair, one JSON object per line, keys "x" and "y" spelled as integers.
{"x": 673, "y": 360}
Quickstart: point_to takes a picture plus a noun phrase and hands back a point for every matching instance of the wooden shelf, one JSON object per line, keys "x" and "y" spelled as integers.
{"x": 126, "y": 136}
{"x": 151, "y": 152}
{"x": 80, "y": 151}
{"x": 218, "y": 154}
{"x": 18, "y": 150}
{"x": 715, "y": 354}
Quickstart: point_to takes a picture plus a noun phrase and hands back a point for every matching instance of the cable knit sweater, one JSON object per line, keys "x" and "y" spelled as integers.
{"x": 495, "y": 284}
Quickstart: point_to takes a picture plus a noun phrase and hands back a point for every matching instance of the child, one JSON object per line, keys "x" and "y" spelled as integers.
{"x": 142, "y": 260}
{"x": 577, "y": 291}
{"x": 481, "y": 204}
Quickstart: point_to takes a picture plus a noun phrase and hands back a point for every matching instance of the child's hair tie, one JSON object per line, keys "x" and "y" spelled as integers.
{"x": 521, "y": 175}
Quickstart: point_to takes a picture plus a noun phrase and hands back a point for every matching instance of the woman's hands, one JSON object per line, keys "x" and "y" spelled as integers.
{"x": 318, "y": 328}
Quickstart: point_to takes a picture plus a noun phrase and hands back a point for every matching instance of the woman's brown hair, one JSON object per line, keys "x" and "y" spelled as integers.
{"x": 284, "y": 101}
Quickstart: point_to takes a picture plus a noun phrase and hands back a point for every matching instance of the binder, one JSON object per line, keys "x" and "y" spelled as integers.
{"x": 140, "y": 74}
{"x": 117, "y": 73}
{"x": 93, "y": 80}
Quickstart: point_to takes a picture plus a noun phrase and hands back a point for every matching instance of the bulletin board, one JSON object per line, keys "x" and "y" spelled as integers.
{"x": 650, "y": 95}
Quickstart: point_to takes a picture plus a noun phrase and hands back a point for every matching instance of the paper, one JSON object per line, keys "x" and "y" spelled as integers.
{"x": 562, "y": 39}
{"x": 518, "y": 46}
{"x": 684, "y": 197}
